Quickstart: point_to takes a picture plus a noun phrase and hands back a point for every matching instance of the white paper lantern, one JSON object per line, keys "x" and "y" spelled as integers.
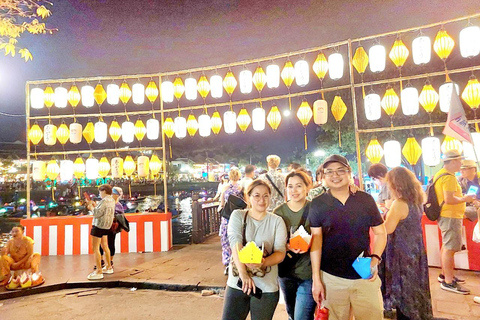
{"x": 39, "y": 170}
{"x": 116, "y": 165}
{"x": 113, "y": 94}
{"x": 476, "y": 143}
{"x": 166, "y": 90}
{"x": 246, "y": 83}
{"x": 335, "y": 65}
{"x": 373, "y": 108}
{"x": 445, "y": 94}
{"x": 75, "y": 132}
{"x": 216, "y": 86}
{"x": 409, "y": 98}
{"x": 468, "y": 151}
{"x": 191, "y": 89}
{"x": 230, "y": 122}
{"x": 393, "y": 153}
{"x": 143, "y": 166}
{"x": 153, "y": 129}
{"x": 431, "y": 151}
{"x": 273, "y": 76}
{"x": 204, "y": 125}
{"x": 320, "y": 112}
{"x": 36, "y": 98}
{"x": 91, "y": 167}
{"x": 87, "y": 96}
{"x": 66, "y": 170}
{"x": 180, "y": 127}
{"x": 421, "y": 50}
{"x": 138, "y": 93}
{"x": 302, "y": 72}
{"x": 470, "y": 41}
{"x": 50, "y": 134}
{"x": 128, "y": 132}
{"x": 376, "y": 58}
{"x": 101, "y": 132}
{"x": 61, "y": 95}
{"x": 258, "y": 119}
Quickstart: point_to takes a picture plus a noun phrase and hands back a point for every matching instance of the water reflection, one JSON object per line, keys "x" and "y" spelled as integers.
{"x": 182, "y": 223}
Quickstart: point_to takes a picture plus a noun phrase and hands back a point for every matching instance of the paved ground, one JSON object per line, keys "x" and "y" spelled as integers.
{"x": 187, "y": 265}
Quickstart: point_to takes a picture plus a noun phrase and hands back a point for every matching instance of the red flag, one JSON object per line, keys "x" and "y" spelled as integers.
{"x": 457, "y": 124}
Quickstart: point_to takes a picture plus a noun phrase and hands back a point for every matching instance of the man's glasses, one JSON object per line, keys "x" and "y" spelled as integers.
{"x": 339, "y": 172}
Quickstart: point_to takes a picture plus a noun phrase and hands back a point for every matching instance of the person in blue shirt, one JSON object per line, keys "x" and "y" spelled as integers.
{"x": 469, "y": 177}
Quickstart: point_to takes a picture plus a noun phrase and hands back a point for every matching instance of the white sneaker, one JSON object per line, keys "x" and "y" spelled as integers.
{"x": 95, "y": 276}
{"x": 107, "y": 270}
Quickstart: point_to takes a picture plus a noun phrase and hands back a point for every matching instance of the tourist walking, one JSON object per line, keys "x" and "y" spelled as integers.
{"x": 406, "y": 265}
{"x": 253, "y": 288}
{"x": 276, "y": 181}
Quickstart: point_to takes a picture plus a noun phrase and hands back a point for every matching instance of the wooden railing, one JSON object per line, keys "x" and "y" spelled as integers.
{"x": 205, "y": 219}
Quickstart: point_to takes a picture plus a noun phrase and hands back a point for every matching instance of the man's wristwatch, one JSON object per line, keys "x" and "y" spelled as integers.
{"x": 376, "y": 256}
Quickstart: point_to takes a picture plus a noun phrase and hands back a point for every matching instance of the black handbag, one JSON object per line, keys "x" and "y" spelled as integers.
{"x": 233, "y": 203}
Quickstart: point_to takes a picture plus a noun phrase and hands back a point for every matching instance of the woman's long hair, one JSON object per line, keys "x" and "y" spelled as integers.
{"x": 405, "y": 185}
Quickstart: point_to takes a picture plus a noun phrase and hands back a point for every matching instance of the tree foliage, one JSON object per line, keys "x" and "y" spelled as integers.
{"x": 18, "y": 17}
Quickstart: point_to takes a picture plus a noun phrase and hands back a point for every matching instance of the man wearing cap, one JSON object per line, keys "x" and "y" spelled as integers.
{"x": 340, "y": 222}
{"x": 449, "y": 193}
{"x": 469, "y": 177}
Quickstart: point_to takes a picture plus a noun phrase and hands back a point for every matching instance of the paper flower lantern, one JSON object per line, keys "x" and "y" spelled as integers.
{"x": 230, "y": 122}
{"x": 390, "y": 102}
{"x": 153, "y": 129}
{"x": 445, "y": 95}
{"x": 89, "y": 132}
{"x": 471, "y": 93}
{"x": 155, "y": 165}
{"x": 204, "y": 125}
{"x": 320, "y": 112}
{"x": 39, "y": 170}
{"x": 192, "y": 125}
{"x": 216, "y": 86}
{"x": 99, "y": 94}
{"x": 374, "y": 151}
{"x": 125, "y": 93}
{"x": 335, "y": 64}
{"x": 393, "y": 153}
{"x": 37, "y": 98}
{"x": 113, "y": 94}
{"x": 178, "y": 88}
{"x": 66, "y": 170}
{"x": 409, "y": 98}
{"x": 250, "y": 253}
{"x": 304, "y": 114}
{"x": 143, "y": 166}
{"x": 274, "y": 118}
{"x": 360, "y": 60}
{"x": 288, "y": 75}
{"x": 115, "y": 130}
{"x": 258, "y": 119}
{"x": 191, "y": 89}
{"x": 61, "y": 97}
{"x": 246, "y": 83}
{"x": 73, "y": 96}
{"x": 273, "y": 76}
{"x": 50, "y": 134}
{"x": 128, "y": 131}
{"x": 421, "y": 50}
{"x": 216, "y": 122}
{"x": 229, "y": 83}
{"x": 103, "y": 167}
{"x": 35, "y": 134}
{"x": 399, "y": 53}
{"x": 63, "y": 134}
{"x": 53, "y": 170}
{"x": 443, "y": 44}
{"x": 152, "y": 92}
{"x": 168, "y": 89}
{"x": 101, "y": 132}
{"x": 168, "y": 127}
{"x": 180, "y": 127}
{"x": 338, "y": 110}
{"x": 373, "y": 108}
{"x": 243, "y": 119}
{"x": 92, "y": 168}
{"x": 48, "y": 97}
{"x": 116, "y": 166}
{"x": 320, "y": 66}
{"x": 428, "y": 98}
{"x": 470, "y": 41}
{"x": 450, "y": 143}
{"x": 203, "y": 86}
{"x": 302, "y": 73}
{"x": 138, "y": 93}
{"x": 377, "y": 56}
{"x": 412, "y": 151}
{"x": 79, "y": 168}
{"x": 129, "y": 166}
{"x": 140, "y": 130}
{"x": 88, "y": 97}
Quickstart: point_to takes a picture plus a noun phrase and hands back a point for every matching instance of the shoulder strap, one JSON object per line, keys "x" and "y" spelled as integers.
{"x": 304, "y": 215}
{"x": 244, "y": 229}
{"x": 273, "y": 184}
{"x": 442, "y": 175}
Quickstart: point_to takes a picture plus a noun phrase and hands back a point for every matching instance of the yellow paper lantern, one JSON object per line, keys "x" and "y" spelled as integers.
{"x": 48, "y": 97}
{"x": 216, "y": 122}
{"x": 428, "y": 98}
{"x": 471, "y": 93}
{"x": 320, "y": 66}
{"x": 443, "y": 44}
{"x": 140, "y": 130}
{"x": 79, "y": 168}
{"x": 360, "y": 60}
{"x": 63, "y": 134}
{"x": 115, "y": 130}
{"x": 203, "y": 86}
{"x": 288, "y": 73}
{"x": 412, "y": 151}
{"x": 73, "y": 96}
{"x": 99, "y": 94}
{"x": 390, "y": 102}
{"x": 338, "y": 108}
{"x": 243, "y": 119}
{"x": 125, "y": 92}
{"x": 259, "y": 78}
{"x": 450, "y": 143}
{"x": 103, "y": 167}
{"x": 89, "y": 132}
{"x": 229, "y": 83}
{"x": 53, "y": 170}
{"x": 151, "y": 91}
{"x": 274, "y": 118}
{"x": 304, "y": 113}
{"x": 192, "y": 124}
{"x": 178, "y": 88}
{"x": 168, "y": 127}
{"x": 374, "y": 151}
{"x": 35, "y": 134}
{"x": 399, "y": 53}
{"x": 155, "y": 165}
{"x": 129, "y": 166}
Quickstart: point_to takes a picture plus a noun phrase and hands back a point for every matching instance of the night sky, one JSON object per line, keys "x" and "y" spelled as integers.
{"x": 113, "y": 37}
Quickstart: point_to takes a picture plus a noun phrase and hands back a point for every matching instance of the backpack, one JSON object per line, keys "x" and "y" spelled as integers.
{"x": 432, "y": 208}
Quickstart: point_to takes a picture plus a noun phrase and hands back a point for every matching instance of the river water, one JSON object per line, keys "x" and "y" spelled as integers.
{"x": 182, "y": 224}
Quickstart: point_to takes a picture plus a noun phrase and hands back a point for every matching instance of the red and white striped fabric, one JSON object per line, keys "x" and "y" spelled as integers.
{"x": 71, "y": 235}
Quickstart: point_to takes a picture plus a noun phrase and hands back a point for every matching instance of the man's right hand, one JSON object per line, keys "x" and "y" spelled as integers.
{"x": 469, "y": 197}
{"x": 318, "y": 291}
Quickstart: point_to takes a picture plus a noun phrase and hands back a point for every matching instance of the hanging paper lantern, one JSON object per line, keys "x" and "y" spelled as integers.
{"x": 113, "y": 94}
{"x": 180, "y": 127}
{"x": 35, "y": 134}
{"x": 243, "y": 119}
{"x": 445, "y": 95}
{"x": 138, "y": 93}
{"x": 258, "y": 119}
{"x": 53, "y": 170}
{"x": 50, "y": 134}
{"x": 274, "y": 118}
{"x": 230, "y": 122}
{"x": 168, "y": 90}
{"x": 99, "y": 94}
{"x": 129, "y": 166}
{"x": 273, "y": 76}
{"x": 338, "y": 108}
{"x": 443, "y": 44}
{"x": 115, "y": 131}
{"x": 101, "y": 132}
{"x": 39, "y": 170}
{"x": 152, "y": 91}
{"x": 393, "y": 153}
{"x": 37, "y": 98}
{"x": 470, "y": 41}
{"x": 48, "y": 97}
{"x": 61, "y": 96}
{"x": 468, "y": 151}
{"x": 63, "y": 133}
{"x": 320, "y": 66}
{"x": 390, "y": 102}
{"x": 88, "y": 98}
{"x": 143, "y": 166}
{"x": 372, "y": 106}
{"x": 428, "y": 98}
{"x": 412, "y": 151}
{"x": 304, "y": 113}
{"x": 288, "y": 73}
{"x": 399, "y": 53}
{"x": 377, "y": 56}
{"x": 66, "y": 170}
{"x": 335, "y": 64}
{"x": 302, "y": 73}
{"x": 192, "y": 125}
{"x": 260, "y": 79}
{"x": 116, "y": 166}
{"x": 360, "y": 60}
{"x": 204, "y": 125}
{"x": 409, "y": 97}
{"x": 89, "y": 132}
{"x": 155, "y": 165}
{"x": 128, "y": 131}
{"x": 191, "y": 89}
{"x": 140, "y": 130}
{"x": 125, "y": 93}
{"x": 471, "y": 93}
{"x": 169, "y": 127}
{"x": 374, "y": 151}
{"x": 320, "y": 112}
{"x": 421, "y": 50}
{"x": 153, "y": 129}
{"x": 203, "y": 86}
{"x": 103, "y": 167}
{"x": 450, "y": 143}
{"x": 229, "y": 83}
{"x": 73, "y": 96}
{"x": 246, "y": 83}
{"x": 92, "y": 168}
{"x": 216, "y": 86}
{"x": 79, "y": 168}
{"x": 476, "y": 142}
{"x": 216, "y": 122}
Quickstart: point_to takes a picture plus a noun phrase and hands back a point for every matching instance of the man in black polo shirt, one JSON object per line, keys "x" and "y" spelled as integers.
{"x": 340, "y": 223}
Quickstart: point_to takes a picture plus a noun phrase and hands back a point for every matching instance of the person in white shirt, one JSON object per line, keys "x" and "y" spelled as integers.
{"x": 249, "y": 176}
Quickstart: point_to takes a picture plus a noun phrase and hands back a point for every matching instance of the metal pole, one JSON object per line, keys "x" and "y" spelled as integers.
{"x": 164, "y": 154}
{"x": 27, "y": 120}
